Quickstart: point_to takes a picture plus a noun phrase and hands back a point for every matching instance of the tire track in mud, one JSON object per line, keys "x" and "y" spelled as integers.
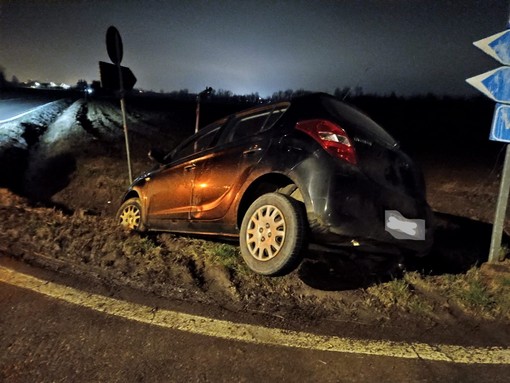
{"x": 20, "y": 137}
{"x": 53, "y": 156}
{"x": 86, "y": 124}
{"x": 52, "y": 159}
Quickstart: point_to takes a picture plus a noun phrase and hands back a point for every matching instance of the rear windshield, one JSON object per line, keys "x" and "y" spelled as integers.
{"x": 359, "y": 121}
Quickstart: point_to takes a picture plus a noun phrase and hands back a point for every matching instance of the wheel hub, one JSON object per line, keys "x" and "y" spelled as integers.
{"x": 266, "y": 233}
{"x": 130, "y": 217}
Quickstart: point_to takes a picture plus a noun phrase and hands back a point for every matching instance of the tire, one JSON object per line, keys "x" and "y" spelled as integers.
{"x": 273, "y": 234}
{"x": 129, "y": 215}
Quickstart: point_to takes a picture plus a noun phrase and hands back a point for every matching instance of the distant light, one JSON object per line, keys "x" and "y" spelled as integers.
{"x": 89, "y": 90}
{"x": 52, "y": 84}
{"x": 65, "y": 86}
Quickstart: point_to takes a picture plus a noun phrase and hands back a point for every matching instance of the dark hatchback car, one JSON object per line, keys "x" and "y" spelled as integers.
{"x": 284, "y": 176}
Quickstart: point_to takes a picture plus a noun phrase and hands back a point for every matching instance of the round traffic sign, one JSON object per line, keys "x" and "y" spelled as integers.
{"x": 114, "y": 45}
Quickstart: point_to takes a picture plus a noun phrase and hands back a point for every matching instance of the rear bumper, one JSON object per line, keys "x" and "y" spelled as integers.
{"x": 350, "y": 209}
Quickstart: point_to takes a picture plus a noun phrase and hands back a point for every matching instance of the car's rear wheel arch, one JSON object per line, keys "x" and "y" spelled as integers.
{"x": 267, "y": 184}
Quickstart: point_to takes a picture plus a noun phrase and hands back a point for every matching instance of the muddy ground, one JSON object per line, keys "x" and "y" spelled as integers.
{"x": 64, "y": 171}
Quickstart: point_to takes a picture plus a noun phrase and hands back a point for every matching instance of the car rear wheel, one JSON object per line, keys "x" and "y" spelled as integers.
{"x": 129, "y": 215}
{"x": 273, "y": 234}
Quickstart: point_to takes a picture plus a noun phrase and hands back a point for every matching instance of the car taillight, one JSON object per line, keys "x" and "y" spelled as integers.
{"x": 331, "y": 137}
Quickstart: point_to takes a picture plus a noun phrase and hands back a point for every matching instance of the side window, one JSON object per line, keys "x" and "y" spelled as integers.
{"x": 200, "y": 143}
{"x": 205, "y": 141}
{"x": 248, "y": 126}
{"x": 275, "y": 116}
{"x": 251, "y": 125}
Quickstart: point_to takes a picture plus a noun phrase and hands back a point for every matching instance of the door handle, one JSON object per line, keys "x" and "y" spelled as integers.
{"x": 190, "y": 167}
{"x": 252, "y": 150}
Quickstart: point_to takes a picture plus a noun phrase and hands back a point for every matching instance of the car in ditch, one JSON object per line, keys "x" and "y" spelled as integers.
{"x": 283, "y": 177}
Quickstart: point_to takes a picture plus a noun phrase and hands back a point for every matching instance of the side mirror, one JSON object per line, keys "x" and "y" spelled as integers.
{"x": 156, "y": 154}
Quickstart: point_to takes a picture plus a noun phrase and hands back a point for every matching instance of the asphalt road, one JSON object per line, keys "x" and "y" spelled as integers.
{"x": 44, "y": 339}
{"x": 13, "y": 108}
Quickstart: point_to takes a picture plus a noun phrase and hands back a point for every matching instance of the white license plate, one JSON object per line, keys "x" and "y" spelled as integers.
{"x": 401, "y": 227}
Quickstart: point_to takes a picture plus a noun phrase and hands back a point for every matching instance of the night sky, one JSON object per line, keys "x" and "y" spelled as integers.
{"x": 402, "y": 46}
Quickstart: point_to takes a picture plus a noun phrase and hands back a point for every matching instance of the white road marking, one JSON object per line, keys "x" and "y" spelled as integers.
{"x": 256, "y": 334}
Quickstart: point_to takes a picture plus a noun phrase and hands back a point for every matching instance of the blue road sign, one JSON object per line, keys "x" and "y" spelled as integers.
{"x": 500, "y": 130}
{"x": 497, "y": 46}
{"x": 494, "y": 84}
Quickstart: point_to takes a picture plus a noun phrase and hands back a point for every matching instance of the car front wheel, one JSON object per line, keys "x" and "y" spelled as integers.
{"x": 272, "y": 234}
{"x": 129, "y": 215}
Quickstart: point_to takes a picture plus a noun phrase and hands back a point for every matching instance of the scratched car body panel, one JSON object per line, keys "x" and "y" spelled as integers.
{"x": 284, "y": 176}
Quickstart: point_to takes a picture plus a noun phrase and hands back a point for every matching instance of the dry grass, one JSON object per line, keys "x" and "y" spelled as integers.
{"x": 480, "y": 292}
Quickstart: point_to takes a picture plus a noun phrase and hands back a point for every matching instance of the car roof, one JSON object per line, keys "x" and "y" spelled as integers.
{"x": 258, "y": 109}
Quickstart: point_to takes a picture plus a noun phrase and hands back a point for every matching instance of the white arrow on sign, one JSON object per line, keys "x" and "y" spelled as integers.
{"x": 497, "y": 46}
{"x": 494, "y": 84}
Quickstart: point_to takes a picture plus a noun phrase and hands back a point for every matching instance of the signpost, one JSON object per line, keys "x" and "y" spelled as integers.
{"x": 496, "y": 85}
{"x": 118, "y": 78}
{"x": 497, "y": 46}
{"x": 500, "y": 130}
{"x": 110, "y": 78}
{"x": 114, "y": 45}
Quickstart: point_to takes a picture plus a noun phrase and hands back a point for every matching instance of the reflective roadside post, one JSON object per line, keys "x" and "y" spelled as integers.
{"x": 495, "y": 84}
{"x": 207, "y": 91}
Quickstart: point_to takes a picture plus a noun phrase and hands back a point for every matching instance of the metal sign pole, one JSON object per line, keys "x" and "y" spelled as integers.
{"x": 115, "y": 52}
{"x": 124, "y": 125}
{"x": 495, "y": 253}
{"x": 124, "y": 121}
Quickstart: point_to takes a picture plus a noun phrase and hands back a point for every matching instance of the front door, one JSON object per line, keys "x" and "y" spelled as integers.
{"x": 169, "y": 189}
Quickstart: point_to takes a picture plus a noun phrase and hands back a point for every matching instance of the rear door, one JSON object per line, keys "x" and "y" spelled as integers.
{"x": 240, "y": 147}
